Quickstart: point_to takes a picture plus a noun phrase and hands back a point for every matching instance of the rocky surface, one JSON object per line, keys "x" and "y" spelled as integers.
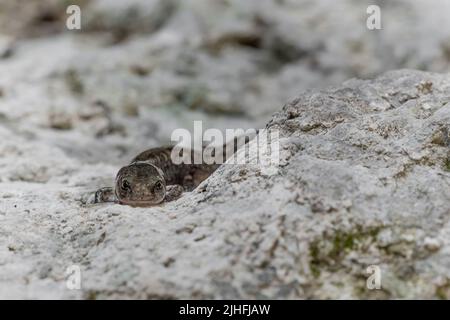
{"x": 364, "y": 172}
{"x": 363, "y": 180}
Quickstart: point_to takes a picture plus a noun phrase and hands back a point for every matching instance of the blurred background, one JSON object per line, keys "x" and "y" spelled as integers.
{"x": 138, "y": 69}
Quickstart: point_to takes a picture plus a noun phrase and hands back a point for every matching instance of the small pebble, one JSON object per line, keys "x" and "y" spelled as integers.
{"x": 432, "y": 244}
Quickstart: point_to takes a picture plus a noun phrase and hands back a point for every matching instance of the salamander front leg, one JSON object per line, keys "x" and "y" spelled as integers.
{"x": 105, "y": 195}
{"x": 173, "y": 192}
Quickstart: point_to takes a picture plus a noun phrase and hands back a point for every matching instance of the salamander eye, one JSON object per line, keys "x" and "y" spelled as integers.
{"x": 158, "y": 186}
{"x": 125, "y": 185}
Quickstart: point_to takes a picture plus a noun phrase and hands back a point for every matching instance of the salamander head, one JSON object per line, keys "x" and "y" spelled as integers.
{"x": 140, "y": 184}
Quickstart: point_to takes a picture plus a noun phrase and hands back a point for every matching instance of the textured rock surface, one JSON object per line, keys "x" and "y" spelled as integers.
{"x": 364, "y": 179}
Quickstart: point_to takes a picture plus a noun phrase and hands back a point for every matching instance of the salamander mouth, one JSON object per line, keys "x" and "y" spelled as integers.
{"x": 137, "y": 202}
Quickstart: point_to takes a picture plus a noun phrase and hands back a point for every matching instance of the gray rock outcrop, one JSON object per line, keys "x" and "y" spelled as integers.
{"x": 364, "y": 179}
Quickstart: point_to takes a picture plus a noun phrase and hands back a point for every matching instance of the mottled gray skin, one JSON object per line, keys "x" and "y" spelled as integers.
{"x": 152, "y": 178}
